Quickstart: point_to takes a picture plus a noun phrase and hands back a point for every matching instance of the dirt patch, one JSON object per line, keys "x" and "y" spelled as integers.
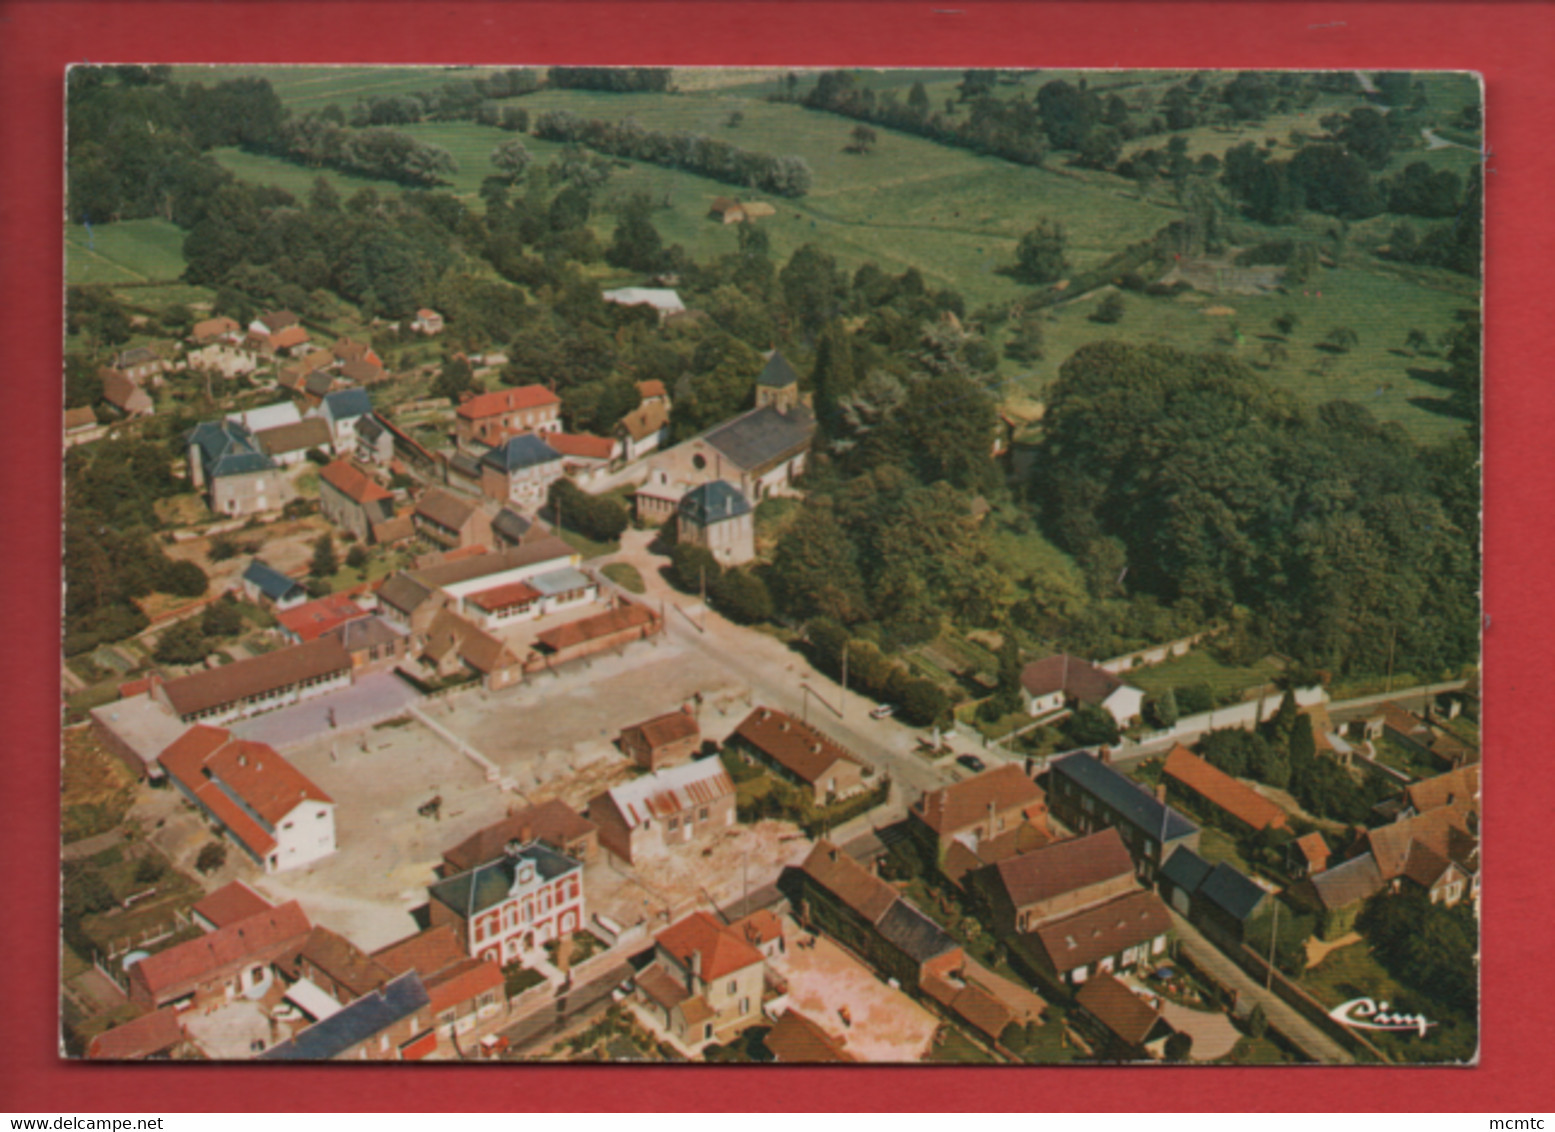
{"x": 1220, "y": 311}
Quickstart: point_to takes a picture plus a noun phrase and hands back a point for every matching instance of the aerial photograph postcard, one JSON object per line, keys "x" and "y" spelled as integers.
{"x": 800, "y": 565}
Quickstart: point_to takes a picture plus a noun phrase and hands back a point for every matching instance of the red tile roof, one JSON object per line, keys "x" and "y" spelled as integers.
{"x": 582, "y": 445}
{"x": 1459, "y": 788}
{"x": 1315, "y": 850}
{"x": 315, "y": 618}
{"x": 574, "y": 633}
{"x": 459, "y": 984}
{"x": 257, "y": 676}
{"x": 647, "y": 389}
{"x": 501, "y": 597}
{"x": 231, "y": 903}
{"x": 793, "y": 744}
{"x": 507, "y": 401}
{"x": 427, "y": 952}
{"x": 346, "y": 478}
{"x": 760, "y": 927}
{"x": 144, "y": 1037}
{"x": 1111, "y": 1003}
{"x": 662, "y": 730}
{"x": 722, "y": 949}
{"x": 1107, "y": 929}
{"x": 951, "y": 809}
{"x": 290, "y": 336}
{"x": 184, "y": 967}
{"x": 1216, "y": 786}
{"x": 1065, "y": 866}
{"x": 1075, "y": 678}
{"x": 553, "y": 822}
{"x": 795, "y": 1039}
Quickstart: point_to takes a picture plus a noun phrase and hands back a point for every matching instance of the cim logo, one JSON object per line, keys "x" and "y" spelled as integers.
{"x": 1367, "y": 1014}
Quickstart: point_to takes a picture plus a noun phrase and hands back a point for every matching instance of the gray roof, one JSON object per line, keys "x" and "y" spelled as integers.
{"x": 368, "y": 1016}
{"x": 269, "y": 581}
{"x": 365, "y": 632}
{"x": 777, "y": 372}
{"x": 347, "y": 403}
{"x": 1231, "y": 892}
{"x": 470, "y": 893}
{"x": 561, "y": 581}
{"x": 319, "y": 383}
{"x": 1186, "y": 869}
{"x": 1346, "y": 884}
{"x": 227, "y": 449}
{"x": 519, "y": 452}
{"x": 465, "y": 464}
{"x": 713, "y": 502}
{"x": 369, "y": 427}
{"x": 762, "y": 437}
{"x": 403, "y": 592}
{"x": 914, "y": 933}
{"x": 1132, "y": 802}
{"x": 511, "y": 525}
{"x": 135, "y": 355}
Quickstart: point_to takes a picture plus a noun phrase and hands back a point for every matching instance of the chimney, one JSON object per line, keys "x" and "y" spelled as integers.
{"x": 696, "y": 965}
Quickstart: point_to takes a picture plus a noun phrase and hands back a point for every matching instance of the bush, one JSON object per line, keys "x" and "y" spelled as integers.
{"x": 222, "y": 547}
{"x": 1110, "y": 309}
{"x": 1194, "y": 699}
{"x": 148, "y": 870}
{"x": 742, "y": 596}
{"x": 596, "y": 517}
{"x": 356, "y": 557}
{"x": 184, "y": 579}
{"x": 213, "y": 855}
{"x": 221, "y": 618}
{"x": 183, "y": 643}
{"x": 688, "y": 562}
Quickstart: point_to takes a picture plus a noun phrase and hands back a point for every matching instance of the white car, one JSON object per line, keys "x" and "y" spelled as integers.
{"x": 884, "y": 711}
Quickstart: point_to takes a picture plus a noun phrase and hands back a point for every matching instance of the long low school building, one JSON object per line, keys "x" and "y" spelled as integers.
{"x": 259, "y": 684}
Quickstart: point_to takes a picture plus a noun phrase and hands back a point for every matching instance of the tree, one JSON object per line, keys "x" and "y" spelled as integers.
{"x": 1091, "y": 726}
{"x": 924, "y": 702}
{"x": 1161, "y": 711}
{"x": 1416, "y": 340}
{"x": 636, "y": 243}
{"x": 1039, "y": 257}
{"x": 1341, "y": 339}
{"x": 1007, "y": 697}
{"x": 222, "y": 547}
{"x": 1025, "y": 341}
{"x": 1258, "y": 1021}
{"x": 863, "y": 139}
{"x": 183, "y": 579}
{"x": 182, "y": 643}
{"x": 356, "y": 557}
{"x": 456, "y": 376}
{"x": 1284, "y": 324}
{"x": 511, "y": 159}
{"x": 742, "y": 596}
{"x": 1110, "y": 309}
{"x": 149, "y": 869}
{"x": 213, "y": 855}
{"x": 692, "y": 565}
{"x": 324, "y": 564}
{"x": 222, "y": 618}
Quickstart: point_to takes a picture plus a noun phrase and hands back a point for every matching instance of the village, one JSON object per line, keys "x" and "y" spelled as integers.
{"x": 515, "y": 795}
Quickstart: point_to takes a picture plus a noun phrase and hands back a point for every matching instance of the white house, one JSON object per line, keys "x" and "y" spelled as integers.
{"x": 343, "y": 410}
{"x": 269, "y": 807}
{"x": 267, "y": 416}
{"x": 1056, "y": 681}
{"x": 507, "y": 908}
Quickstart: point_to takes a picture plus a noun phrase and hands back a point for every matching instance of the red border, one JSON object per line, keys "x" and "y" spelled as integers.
{"x": 1511, "y": 44}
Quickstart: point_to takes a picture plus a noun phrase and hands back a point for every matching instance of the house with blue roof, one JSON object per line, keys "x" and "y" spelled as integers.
{"x": 342, "y": 410}
{"x": 229, "y": 465}
{"x": 1087, "y": 794}
{"x": 520, "y": 470}
{"x": 1217, "y": 897}
{"x": 392, "y": 1023}
{"x": 717, "y": 517}
{"x": 263, "y": 584}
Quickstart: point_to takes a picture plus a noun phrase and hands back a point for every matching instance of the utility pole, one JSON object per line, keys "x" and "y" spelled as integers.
{"x": 842, "y": 705}
{"x": 1274, "y": 938}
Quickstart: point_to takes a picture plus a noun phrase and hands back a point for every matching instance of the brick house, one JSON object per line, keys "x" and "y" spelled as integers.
{"x": 800, "y": 754}
{"x": 980, "y": 814}
{"x": 521, "y": 469}
{"x": 1118, "y": 1023}
{"x": 393, "y": 1023}
{"x": 238, "y": 478}
{"x": 1087, "y": 794}
{"x": 1203, "y": 784}
{"x": 336, "y": 966}
{"x": 650, "y": 814}
{"x": 662, "y": 741}
{"x": 705, "y": 981}
{"x": 217, "y": 967}
{"x": 506, "y": 908}
{"x": 490, "y": 418}
{"x": 352, "y": 500}
{"x": 552, "y": 823}
{"x": 462, "y": 992}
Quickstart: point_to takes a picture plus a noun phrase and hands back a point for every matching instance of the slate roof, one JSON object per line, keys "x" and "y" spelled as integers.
{"x": 913, "y": 933}
{"x": 1111, "y": 1003}
{"x": 962, "y": 805}
{"x": 669, "y": 791}
{"x": 1219, "y": 788}
{"x": 762, "y": 438}
{"x": 1232, "y": 892}
{"x": 318, "y": 384}
{"x": 227, "y": 449}
{"x": 1065, "y": 866}
{"x": 269, "y": 581}
{"x": 213, "y": 687}
{"x": 713, "y": 502}
{"x": 1186, "y": 869}
{"x": 554, "y": 822}
{"x": 793, "y": 744}
{"x": 355, "y": 1024}
{"x": 511, "y": 525}
{"x": 1348, "y": 883}
{"x": 777, "y": 373}
{"x": 370, "y": 428}
{"x": 1092, "y": 934}
{"x": 347, "y": 403}
{"x": 723, "y": 950}
{"x": 519, "y": 452}
{"x": 1122, "y": 794}
{"x": 472, "y": 892}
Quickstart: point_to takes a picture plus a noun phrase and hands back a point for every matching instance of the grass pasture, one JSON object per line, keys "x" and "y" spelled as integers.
{"x": 1200, "y": 667}
{"x": 131, "y": 251}
{"x": 304, "y": 88}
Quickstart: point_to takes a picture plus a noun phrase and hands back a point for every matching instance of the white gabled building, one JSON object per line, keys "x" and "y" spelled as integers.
{"x": 269, "y": 807}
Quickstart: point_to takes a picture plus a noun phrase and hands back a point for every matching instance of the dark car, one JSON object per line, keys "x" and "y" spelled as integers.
{"x": 972, "y": 763}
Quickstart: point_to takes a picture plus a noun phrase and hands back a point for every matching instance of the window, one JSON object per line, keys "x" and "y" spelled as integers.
{"x": 702, "y": 814}
{"x": 734, "y": 986}
{"x": 674, "y": 823}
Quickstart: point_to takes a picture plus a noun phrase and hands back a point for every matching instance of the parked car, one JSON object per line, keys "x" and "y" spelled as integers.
{"x": 972, "y": 763}
{"x": 884, "y": 711}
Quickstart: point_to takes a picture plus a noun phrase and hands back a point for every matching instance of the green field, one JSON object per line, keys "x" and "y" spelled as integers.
{"x": 304, "y": 88}
{"x": 131, "y": 251}
{"x": 1199, "y": 667}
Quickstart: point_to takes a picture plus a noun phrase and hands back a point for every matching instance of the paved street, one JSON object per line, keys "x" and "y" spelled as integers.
{"x": 576, "y": 1006}
{"x": 1283, "y": 1018}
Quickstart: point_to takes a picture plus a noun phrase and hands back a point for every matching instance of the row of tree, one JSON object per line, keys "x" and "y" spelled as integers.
{"x": 706, "y": 156}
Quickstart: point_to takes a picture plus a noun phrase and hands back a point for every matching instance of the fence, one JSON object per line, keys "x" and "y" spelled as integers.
{"x": 1304, "y": 1004}
{"x": 1247, "y": 714}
